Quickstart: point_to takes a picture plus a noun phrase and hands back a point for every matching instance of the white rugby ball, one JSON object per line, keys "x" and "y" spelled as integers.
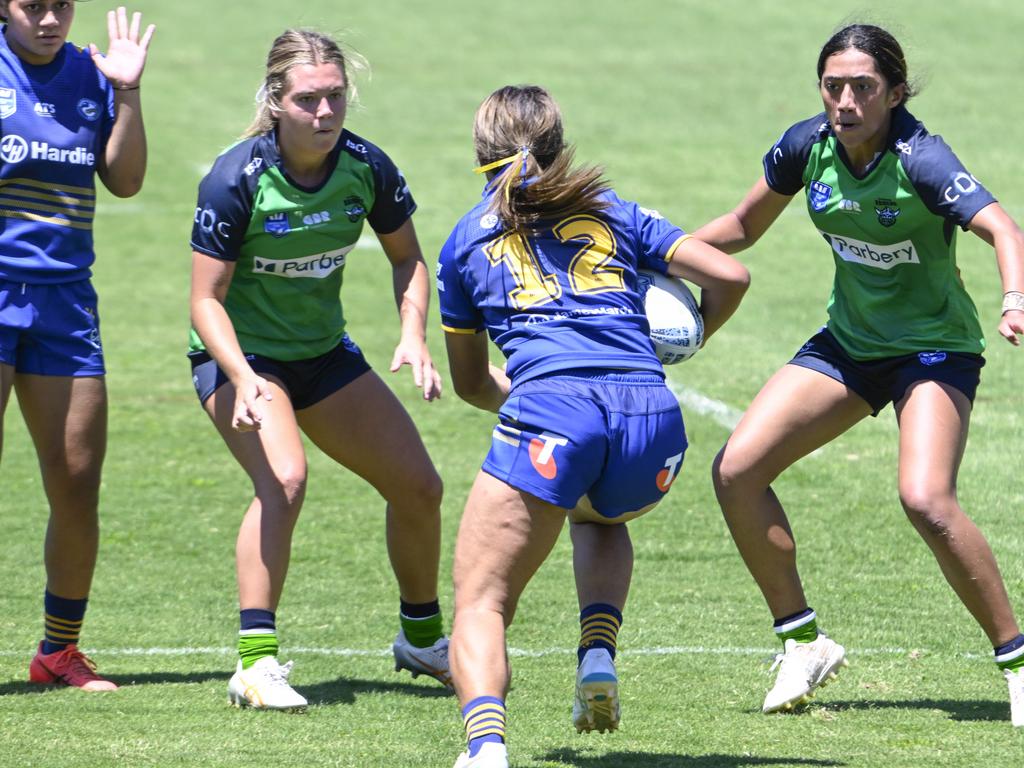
{"x": 677, "y": 328}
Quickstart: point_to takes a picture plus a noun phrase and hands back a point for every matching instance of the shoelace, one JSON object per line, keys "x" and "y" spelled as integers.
{"x": 279, "y": 675}
{"x": 76, "y": 661}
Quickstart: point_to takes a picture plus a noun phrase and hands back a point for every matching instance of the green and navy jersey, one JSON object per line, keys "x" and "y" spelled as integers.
{"x": 55, "y": 120}
{"x": 289, "y": 243}
{"x": 563, "y": 297}
{"x": 897, "y": 287}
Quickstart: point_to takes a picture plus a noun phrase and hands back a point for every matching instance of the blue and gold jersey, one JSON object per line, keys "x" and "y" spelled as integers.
{"x": 55, "y": 120}
{"x": 563, "y": 297}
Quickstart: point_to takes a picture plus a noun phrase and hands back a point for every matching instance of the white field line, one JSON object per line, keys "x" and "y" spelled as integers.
{"x": 677, "y": 650}
{"x": 720, "y": 412}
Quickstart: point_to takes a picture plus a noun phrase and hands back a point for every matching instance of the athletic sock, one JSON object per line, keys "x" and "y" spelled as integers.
{"x": 1011, "y": 655}
{"x": 801, "y": 626}
{"x": 421, "y": 623}
{"x": 62, "y": 621}
{"x": 484, "y": 718}
{"x": 257, "y": 635}
{"x": 599, "y": 628}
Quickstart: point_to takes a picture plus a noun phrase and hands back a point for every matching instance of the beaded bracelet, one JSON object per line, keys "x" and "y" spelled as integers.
{"x": 1013, "y": 300}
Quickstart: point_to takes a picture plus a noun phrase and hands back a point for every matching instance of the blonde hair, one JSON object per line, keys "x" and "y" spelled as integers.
{"x": 295, "y": 48}
{"x": 524, "y": 122}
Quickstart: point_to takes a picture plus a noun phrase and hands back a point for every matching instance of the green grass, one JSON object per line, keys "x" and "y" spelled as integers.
{"x": 679, "y": 100}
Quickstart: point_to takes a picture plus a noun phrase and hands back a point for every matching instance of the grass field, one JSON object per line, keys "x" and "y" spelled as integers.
{"x": 678, "y": 99}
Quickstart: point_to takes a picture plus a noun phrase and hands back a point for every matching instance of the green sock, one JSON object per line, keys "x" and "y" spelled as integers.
{"x": 802, "y": 627}
{"x": 421, "y": 623}
{"x": 254, "y": 646}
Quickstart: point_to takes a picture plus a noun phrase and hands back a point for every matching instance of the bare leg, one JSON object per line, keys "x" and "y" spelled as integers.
{"x": 933, "y": 421}
{"x": 6, "y": 382}
{"x": 365, "y": 428}
{"x": 67, "y": 418}
{"x": 275, "y": 461}
{"x": 504, "y": 536}
{"x": 602, "y": 560}
{"x": 797, "y": 411}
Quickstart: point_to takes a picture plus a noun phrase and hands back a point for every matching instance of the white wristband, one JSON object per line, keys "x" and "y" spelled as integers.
{"x": 1013, "y": 300}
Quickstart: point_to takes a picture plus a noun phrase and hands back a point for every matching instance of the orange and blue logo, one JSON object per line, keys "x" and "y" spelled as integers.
{"x": 542, "y": 454}
{"x": 669, "y": 473}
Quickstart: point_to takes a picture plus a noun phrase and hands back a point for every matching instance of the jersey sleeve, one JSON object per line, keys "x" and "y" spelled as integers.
{"x": 458, "y": 314}
{"x": 785, "y": 162}
{"x": 657, "y": 238}
{"x": 942, "y": 182}
{"x": 223, "y": 210}
{"x": 393, "y": 203}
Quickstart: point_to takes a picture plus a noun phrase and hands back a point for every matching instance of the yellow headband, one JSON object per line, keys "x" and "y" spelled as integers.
{"x": 523, "y": 152}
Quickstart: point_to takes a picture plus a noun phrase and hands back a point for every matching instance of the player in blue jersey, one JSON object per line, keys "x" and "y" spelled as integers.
{"x": 66, "y": 115}
{"x": 888, "y": 197}
{"x": 277, "y": 215}
{"x": 547, "y": 265}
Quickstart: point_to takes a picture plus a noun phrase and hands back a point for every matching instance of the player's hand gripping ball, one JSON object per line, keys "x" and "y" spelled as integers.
{"x": 677, "y": 328}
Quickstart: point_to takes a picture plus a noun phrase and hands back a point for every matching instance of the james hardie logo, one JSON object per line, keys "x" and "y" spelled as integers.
{"x": 13, "y": 148}
{"x": 8, "y": 102}
{"x": 818, "y": 194}
{"x": 89, "y": 109}
{"x": 542, "y": 451}
{"x": 668, "y": 475}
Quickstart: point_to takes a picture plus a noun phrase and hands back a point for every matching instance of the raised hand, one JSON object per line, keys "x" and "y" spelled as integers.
{"x": 125, "y": 59}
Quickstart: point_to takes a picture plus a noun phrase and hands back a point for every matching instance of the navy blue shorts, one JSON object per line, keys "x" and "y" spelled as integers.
{"x": 611, "y": 442}
{"x": 50, "y": 330}
{"x": 886, "y": 379}
{"x": 307, "y": 381}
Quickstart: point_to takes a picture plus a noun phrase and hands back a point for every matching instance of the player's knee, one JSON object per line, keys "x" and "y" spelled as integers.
{"x": 729, "y": 471}
{"x": 931, "y": 511}
{"x": 286, "y": 490}
{"x": 420, "y": 490}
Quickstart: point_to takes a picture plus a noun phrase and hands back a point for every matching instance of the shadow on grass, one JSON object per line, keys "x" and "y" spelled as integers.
{"x": 573, "y": 757}
{"x": 344, "y": 690}
{"x": 966, "y": 710}
{"x": 124, "y": 681}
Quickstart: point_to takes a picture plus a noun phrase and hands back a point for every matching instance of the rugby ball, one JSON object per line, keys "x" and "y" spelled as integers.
{"x": 677, "y": 328}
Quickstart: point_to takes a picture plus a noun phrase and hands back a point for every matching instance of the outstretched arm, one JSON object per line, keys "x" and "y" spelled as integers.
{"x": 743, "y": 226}
{"x": 994, "y": 225}
{"x": 412, "y": 295}
{"x": 123, "y": 165}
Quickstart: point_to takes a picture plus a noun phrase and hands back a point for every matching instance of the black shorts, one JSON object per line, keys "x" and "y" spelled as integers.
{"x": 307, "y": 381}
{"x": 886, "y": 379}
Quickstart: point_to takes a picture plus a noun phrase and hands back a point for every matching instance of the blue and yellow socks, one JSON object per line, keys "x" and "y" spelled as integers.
{"x": 484, "y": 718}
{"x": 599, "y": 628}
{"x": 62, "y": 621}
{"x": 801, "y": 626}
{"x": 257, "y": 635}
{"x": 1011, "y": 655}
{"x": 421, "y": 623}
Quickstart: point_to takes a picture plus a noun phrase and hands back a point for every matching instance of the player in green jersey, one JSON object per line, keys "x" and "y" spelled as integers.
{"x": 277, "y": 215}
{"x": 887, "y": 197}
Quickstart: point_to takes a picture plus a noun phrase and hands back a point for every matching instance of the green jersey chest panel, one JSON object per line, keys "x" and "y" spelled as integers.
{"x": 290, "y": 244}
{"x": 897, "y": 289}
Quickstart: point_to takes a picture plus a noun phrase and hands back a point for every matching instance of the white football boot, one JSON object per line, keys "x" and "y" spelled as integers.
{"x": 264, "y": 685}
{"x": 596, "y": 707}
{"x": 802, "y": 668}
{"x": 491, "y": 755}
{"x": 432, "y": 661}
{"x": 1016, "y": 682}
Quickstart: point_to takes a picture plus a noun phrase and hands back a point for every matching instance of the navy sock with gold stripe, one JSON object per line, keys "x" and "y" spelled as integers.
{"x": 62, "y": 621}
{"x": 599, "y": 628}
{"x": 484, "y": 718}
